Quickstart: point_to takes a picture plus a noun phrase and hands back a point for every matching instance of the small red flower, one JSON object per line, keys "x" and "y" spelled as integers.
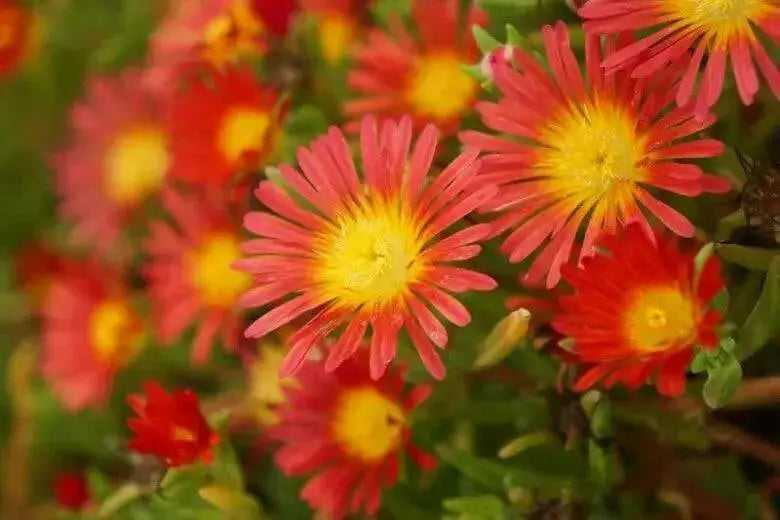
{"x": 349, "y": 429}
{"x": 71, "y": 491}
{"x": 16, "y": 35}
{"x": 170, "y": 426}
{"x": 638, "y": 311}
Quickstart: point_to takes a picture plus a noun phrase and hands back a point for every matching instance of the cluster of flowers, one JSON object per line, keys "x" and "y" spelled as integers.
{"x": 356, "y": 244}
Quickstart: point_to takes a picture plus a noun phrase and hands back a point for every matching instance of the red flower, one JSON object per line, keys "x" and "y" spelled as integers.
{"x": 170, "y": 426}
{"x": 90, "y": 331}
{"x": 16, "y": 35}
{"x": 71, "y": 491}
{"x": 367, "y": 252}
{"x": 586, "y": 153}
{"x": 718, "y": 28}
{"x": 348, "y": 429}
{"x": 37, "y": 265}
{"x": 639, "y": 311}
{"x": 221, "y": 127}
{"x": 275, "y": 15}
{"x": 337, "y": 23}
{"x": 189, "y": 274}
{"x": 396, "y": 74}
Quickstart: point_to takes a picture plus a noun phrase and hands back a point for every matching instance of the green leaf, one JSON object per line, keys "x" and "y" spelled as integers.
{"x": 485, "y": 41}
{"x": 721, "y": 300}
{"x": 480, "y": 507}
{"x": 721, "y": 383}
{"x": 226, "y": 469}
{"x": 481, "y": 470}
{"x": 753, "y": 258}
{"x": 526, "y": 412}
{"x": 523, "y": 442}
{"x": 763, "y": 323}
{"x": 513, "y": 36}
{"x": 99, "y": 485}
{"x": 701, "y": 258}
{"x": 503, "y": 339}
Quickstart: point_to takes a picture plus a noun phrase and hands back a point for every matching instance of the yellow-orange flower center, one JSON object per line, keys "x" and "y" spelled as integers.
{"x": 243, "y": 131}
{"x": 369, "y": 257}
{"x": 367, "y": 424}
{"x": 232, "y": 35}
{"x": 660, "y": 318}
{"x": 216, "y": 284}
{"x": 336, "y": 32}
{"x": 114, "y": 332}
{"x": 593, "y": 153}
{"x": 439, "y": 88}
{"x": 266, "y": 388}
{"x": 722, "y": 21}
{"x": 135, "y": 164}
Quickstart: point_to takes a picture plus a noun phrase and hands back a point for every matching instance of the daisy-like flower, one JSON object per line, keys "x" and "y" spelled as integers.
{"x": 189, "y": 274}
{"x": 170, "y": 426}
{"x": 266, "y": 388}
{"x": 370, "y": 252}
{"x": 337, "y": 23}
{"x": 638, "y": 311}
{"x": 395, "y": 74}
{"x": 349, "y": 430}
{"x": 582, "y": 153}
{"x": 37, "y": 265}
{"x": 17, "y": 35}
{"x": 71, "y": 490}
{"x": 719, "y": 29}
{"x": 117, "y": 158}
{"x": 90, "y": 331}
{"x": 223, "y": 126}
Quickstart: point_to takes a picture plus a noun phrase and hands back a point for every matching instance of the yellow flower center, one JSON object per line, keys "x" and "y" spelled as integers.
{"x": 660, "y": 318}
{"x": 113, "y": 331}
{"x": 336, "y": 33}
{"x": 136, "y": 164}
{"x": 369, "y": 258}
{"x": 721, "y": 20}
{"x": 593, "y": 152}
{"x": 243, "y": 131}
{"x": 439, "y": 87}
{"x": 217, "y": 284}
{"x": 266, "y": 388}
{"x": 367, "y": 424}
{"x": 233, "y": 35}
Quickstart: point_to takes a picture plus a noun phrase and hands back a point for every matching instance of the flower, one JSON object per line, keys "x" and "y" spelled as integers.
{"x": 37, "y": 265}
{"x": 584, "y": 153}
{"x": 397, "y": 75}
{"x": 348, "y": 429}
{"x": 71, "y": 491}
{"x": 189, "y": 274}
{"x": 720, "y": 28}
{"x": 276, "y": 16}
{"x": 639, "y": 309}
{"x": 370, "y": 252}
{"x": 266, "y": 388}
{"x": 337, "y": 23}
{"x": 221, "y": 128}
{"x": 170, "y": 426}
{"x": 17, "y": 35}
{"x": 117, "y": 158}
{"x": 90, "y": 331}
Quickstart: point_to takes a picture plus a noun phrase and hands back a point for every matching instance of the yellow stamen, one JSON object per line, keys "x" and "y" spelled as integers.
{"x": 336, "y": 32}
{"x": 233, "y": 35}
{"x": 266, "y": 388}
{"x": 367, "y": 424}
{"x": 210, "y": 273}
{"x": 243, "y": 131}
{"x": 136, "y": 164}
{"x": 182, "y": 434}
{"x": 660, "y": 318}
{"x": 439, "y": 87}
{"x": 114, "y": 334}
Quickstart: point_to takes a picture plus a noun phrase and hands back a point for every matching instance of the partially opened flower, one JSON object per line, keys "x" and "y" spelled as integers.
{"x": 71, "y": 490}
{"x": 170, "y": 426}
{"x": 349, "y": 431}
{"x": 116, "y": 160}
{"x": 90, "y": 332}
{"x": 337, "y": 23}
{"x": 721, "y": 30}
{"x": 638, "y": 311}
{"x": 221, "y": 126}
{"x": 584, "y": 155}
{"x": 368, "y": 252}
{"x": 189, "y": 274}
{"x": 397, "y": 74}
{"x": 17, "y": 35}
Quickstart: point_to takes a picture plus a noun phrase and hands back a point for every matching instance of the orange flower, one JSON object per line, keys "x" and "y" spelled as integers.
{"x": 17, "y": 35}
{"x": 337, "y": 23}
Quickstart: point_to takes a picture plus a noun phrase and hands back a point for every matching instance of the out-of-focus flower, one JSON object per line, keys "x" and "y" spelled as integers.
{"x": 721, "y": 29}
{"x": 266, "y": 388}
{"x": 638, "y": 310}
{"x": 275, "y": 15}
{"x": 348, "y": 429}
{"x": 223, "y": 126}
{"x": 395, "y": 74}
{"x": 71, "y": 491}
{"x": 337, "y": 23}
{"x": 369, "y": 252}
{"x": 37, "y": 265}
{"x": 90, "y": 331}
{"x": 170, "y": 426}
{"x": 117, "y": 157}
{"x": 587, "y": 154}
{"x": 189, "y": 274}
{"x": 17, "y": 35}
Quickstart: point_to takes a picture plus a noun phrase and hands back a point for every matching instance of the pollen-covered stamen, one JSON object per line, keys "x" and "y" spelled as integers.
{"x": 210, "y": 274}
{"x": 660, "y": 319}
{"x": 439, "y": 87}
{"x": 232, "y": 34}
{"x": 721, "y": 20}
{"x": 113, "y": 332}
{"x": 243, "y": 130}
{"x": 136, "y": 164}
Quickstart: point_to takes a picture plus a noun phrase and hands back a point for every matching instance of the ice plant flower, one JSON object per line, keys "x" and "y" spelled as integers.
{"x": 90, "y": 331}
{"x": 116, "y": 160}
{"x": 71, "y": 491}
{"x": 337, "y": 23}
{"x": 266, "y": 388}
{"x": 721, "y": 30}
{"x": 638, "y": 311}
{"x": 37, "y": 265}
{"x": 221, "y": 127}
{"x": 395, "y": 74}
{"x": 17, "y": 31}
{"x": 189, "y": 274}
{"x": 370, "y": 252}
{"x": 170, "y": 426}
{"x": 349, "y": 430}
{"x": 584, "y": 153}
